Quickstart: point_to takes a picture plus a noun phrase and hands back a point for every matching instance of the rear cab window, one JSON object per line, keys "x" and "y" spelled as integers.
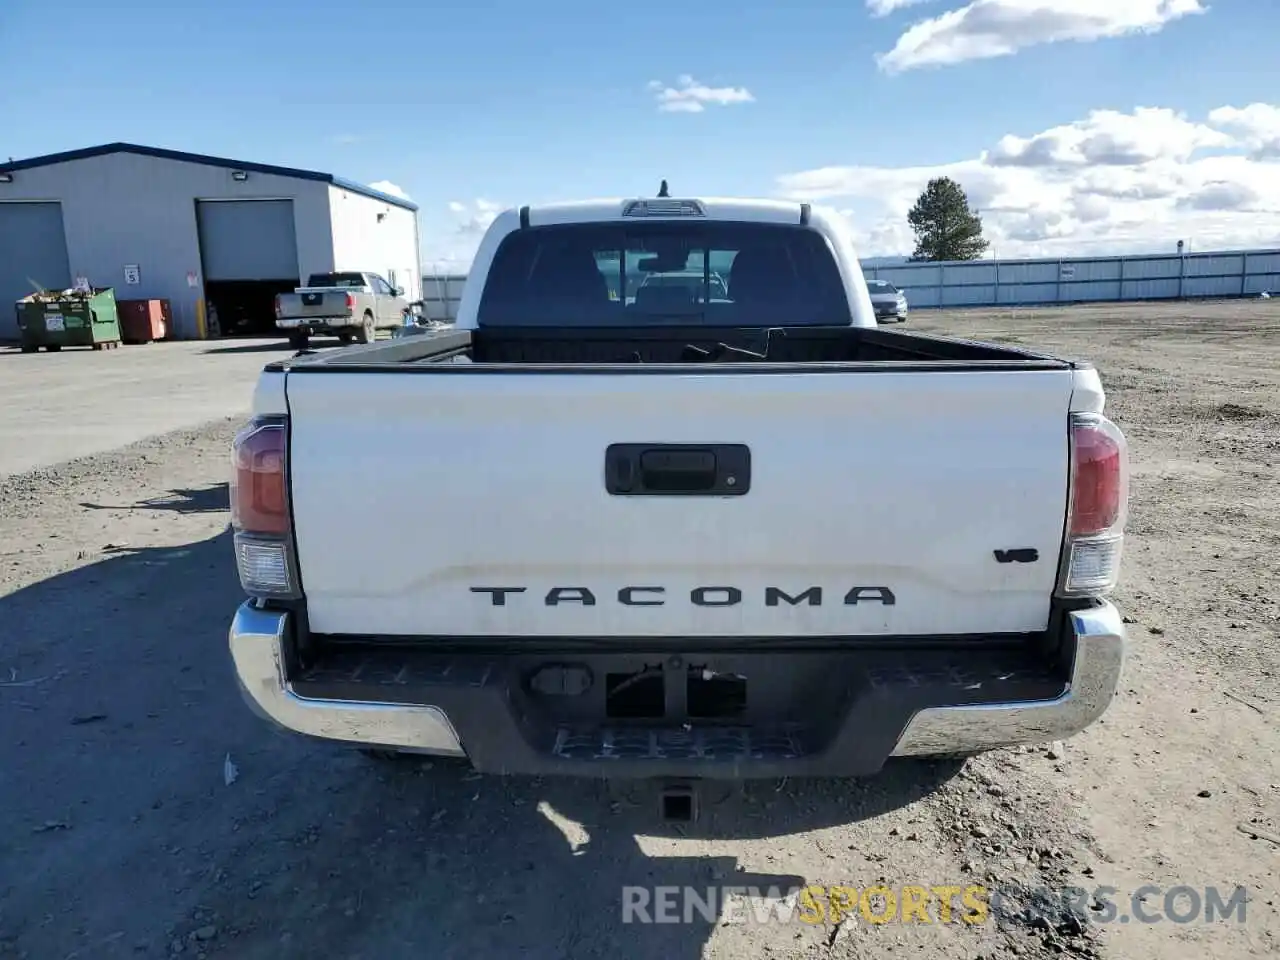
{"x": 718, "y": 274}
{"x": 335, "y": 280}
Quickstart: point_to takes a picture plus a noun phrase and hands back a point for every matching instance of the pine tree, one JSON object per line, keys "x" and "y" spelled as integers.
{"x": 945, "y": 227}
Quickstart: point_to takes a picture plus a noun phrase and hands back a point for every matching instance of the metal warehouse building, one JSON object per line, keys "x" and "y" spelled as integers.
{"x": 193, "y": 230}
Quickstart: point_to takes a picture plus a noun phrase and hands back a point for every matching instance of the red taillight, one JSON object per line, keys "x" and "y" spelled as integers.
{"x": 260, "y": 518}
{"x": 351, "y": 301}
{"x": 1098, "y": 509}
{"x": 259, "y": 489}
{"x": 1097, "y": 485}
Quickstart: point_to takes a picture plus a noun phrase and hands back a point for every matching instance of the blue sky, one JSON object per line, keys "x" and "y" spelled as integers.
{"x": 470, "y": 107}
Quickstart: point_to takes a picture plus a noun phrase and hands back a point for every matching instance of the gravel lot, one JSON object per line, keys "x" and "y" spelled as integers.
{"x": 79, "y": 401}
{"x": 119, "y": 836}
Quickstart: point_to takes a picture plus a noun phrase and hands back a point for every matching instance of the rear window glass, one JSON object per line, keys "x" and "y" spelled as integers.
{"x": 335, "y": 280}
{"x": 719, "y": 274}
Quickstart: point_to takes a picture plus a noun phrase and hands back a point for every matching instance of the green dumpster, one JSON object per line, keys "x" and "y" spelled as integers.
{"x": 69, "y": 318}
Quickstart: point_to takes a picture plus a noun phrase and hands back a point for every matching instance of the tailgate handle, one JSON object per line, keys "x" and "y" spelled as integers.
{"x": 685, "y": 470}
{"x": 656, "y": 470}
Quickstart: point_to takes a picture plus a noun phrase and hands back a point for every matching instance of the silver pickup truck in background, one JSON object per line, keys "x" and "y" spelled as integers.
{"x": 348, "y": 305}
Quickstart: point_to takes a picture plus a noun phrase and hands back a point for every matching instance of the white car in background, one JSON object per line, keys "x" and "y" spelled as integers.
{"x": 888, "y": 302}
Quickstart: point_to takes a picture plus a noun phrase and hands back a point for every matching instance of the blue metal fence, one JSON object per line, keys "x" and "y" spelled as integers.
{"x": 975, "y": 283}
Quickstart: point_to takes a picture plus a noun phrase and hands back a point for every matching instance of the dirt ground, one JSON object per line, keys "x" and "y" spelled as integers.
{"x": 77, "y": 402}
{"x": 120, "y": 835}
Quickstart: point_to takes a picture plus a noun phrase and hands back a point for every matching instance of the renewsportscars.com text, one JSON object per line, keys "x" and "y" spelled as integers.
{"x": 930, "y": 903}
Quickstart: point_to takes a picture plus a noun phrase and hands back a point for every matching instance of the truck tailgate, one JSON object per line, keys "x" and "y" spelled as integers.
{"x": 476, "y": 505}
{"x": 314, "y": 303}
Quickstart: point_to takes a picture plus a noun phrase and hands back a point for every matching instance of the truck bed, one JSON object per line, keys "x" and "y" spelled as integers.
{"x": 616, "y": 350}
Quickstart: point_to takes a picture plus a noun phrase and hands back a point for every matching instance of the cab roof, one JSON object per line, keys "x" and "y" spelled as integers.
{"x": 655, "y": 208}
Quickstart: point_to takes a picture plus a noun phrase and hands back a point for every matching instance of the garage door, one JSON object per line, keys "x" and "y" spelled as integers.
{"x": 247, "y": 239}
{"x": 33, "y": 251}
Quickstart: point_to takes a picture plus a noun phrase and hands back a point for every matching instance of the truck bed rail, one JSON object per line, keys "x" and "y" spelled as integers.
{"x": 663, "y": 350}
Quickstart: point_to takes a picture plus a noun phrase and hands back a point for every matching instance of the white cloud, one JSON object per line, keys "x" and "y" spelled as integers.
{"x": 1110, "y": 183}
{"x": 1158, "y": 180}
{"x": 1221, "y": 195}
{"x": 689, "y": 96}
{"x": 473, "y": 218}
{"x": 1090, "y": 207}
{"x": 882, "y": 8}
{"x": 386, "y": 186}
{"x": 1110, "y": 138}
{"x": 983, "y": 29}
{"x": 1258, "y": 125}
{"x": 452, "y": 246}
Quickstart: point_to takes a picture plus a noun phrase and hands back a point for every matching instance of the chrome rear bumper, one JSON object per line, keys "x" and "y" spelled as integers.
{"x": 258, "y": 649}
{"x": 314, "y": 323}
{"x": 1095, "y": 672}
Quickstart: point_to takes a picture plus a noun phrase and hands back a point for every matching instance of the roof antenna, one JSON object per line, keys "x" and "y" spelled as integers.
{"x": 663, "y": 191}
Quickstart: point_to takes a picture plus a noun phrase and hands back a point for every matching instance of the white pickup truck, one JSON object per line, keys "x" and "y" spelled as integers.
{"x": 746, "y": 535}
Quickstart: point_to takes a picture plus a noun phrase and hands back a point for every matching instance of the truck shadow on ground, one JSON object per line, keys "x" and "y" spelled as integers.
{"x": 181, "y": 500}
{"x": 269, "y": 346}
{"x": 252, "y": 346}
{"x": 131, "y": 839}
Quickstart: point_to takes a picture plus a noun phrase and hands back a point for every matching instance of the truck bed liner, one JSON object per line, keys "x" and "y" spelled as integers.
{"x": 620, "y": 350}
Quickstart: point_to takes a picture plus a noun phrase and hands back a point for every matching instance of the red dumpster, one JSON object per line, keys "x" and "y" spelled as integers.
{"x": 142, "y": 321}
